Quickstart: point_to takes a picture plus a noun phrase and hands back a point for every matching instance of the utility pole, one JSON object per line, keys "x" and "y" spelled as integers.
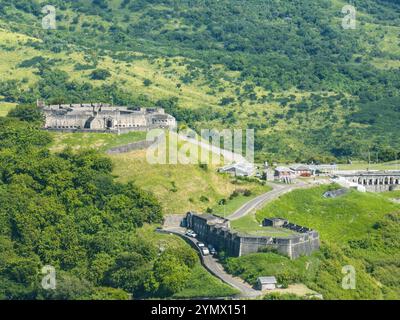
{"x": 369, "y": 159}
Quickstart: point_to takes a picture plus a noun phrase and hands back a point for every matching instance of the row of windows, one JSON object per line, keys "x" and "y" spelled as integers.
{"x": 127, "y": 126}
{"x": 64, "y": 127}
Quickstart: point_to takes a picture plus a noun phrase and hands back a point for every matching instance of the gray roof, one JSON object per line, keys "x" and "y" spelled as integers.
{"x": 267, "y": 280}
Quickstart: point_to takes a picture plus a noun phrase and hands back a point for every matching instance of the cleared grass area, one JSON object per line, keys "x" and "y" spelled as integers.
{"x": 235, "y": 203}
{"x": 179, "y": 187}
{"x": 99, "y": 141}
{"x": 249, "y": 225}
{"x": 359, "y": 165}
{"x": 348, "y": 217}
{"x": 5, "y": 108}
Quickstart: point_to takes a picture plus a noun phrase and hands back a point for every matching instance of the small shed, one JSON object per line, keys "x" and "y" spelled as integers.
{"x": 266, "y": 283}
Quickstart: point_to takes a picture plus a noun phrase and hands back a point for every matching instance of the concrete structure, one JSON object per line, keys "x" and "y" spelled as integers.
{"x": 335, "y": 193}
{"x": 266, "y": 283}
{"x": 216, "y": 231}
{"x": 302, "y": 170}
{"x": 284, "y": 174}
{"x": 324, "y": 168}
{"x": 349, "y": 184}
{"x": 99, "y": 117}
{"x": 374, "y": 181}
{"x": 274, "y": 222}
{"x": 239, "y": 169}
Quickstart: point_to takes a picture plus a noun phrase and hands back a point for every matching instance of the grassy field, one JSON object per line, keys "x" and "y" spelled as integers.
{"x": 99, "y": 141}
{"x": 179, "y": 187}
{"x": 234, "y": 203}
{"x": 249, "y": 225}
{"x": 338, "y": 220}
{"x": 357, "y": 229}
{"x": 5, "y": 108}
{"x": 359, "y": 165}
{"x": 207, "y": 89}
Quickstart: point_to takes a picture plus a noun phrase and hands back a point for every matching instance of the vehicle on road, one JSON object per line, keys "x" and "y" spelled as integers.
{"x": 212, "y": 250}
{"x": 205, "y": 251}
{"x": 191, "y": 234}
{"x": 201, "y": 245}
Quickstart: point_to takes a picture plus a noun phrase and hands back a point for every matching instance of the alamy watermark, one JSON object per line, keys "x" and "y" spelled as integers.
{"x": 49, "y": 281}
{"x": 49, "y": 21}
{"x": 349, "y": 20}
{"x": 349, "y": 280}
{"x": 212, "y": 146}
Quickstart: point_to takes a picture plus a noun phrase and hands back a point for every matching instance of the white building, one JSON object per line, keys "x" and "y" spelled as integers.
{"x": 239, "y": 169}
{"x": 266, "y": 283}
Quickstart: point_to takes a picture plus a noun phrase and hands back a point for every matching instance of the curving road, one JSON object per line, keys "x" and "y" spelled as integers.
{"x": 215, "y": 268}
{"x": 171, "y": 225}
{"x": 262, "y": 200}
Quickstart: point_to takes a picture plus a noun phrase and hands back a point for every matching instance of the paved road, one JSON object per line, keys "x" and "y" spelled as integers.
{"x": 215, "y": 268}
{"x": 262, "y": 200}
{"x": 212, "y": 264}
{"x": 229, "y": 156}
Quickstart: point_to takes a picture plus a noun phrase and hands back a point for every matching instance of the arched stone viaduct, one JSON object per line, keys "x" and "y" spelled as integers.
{"x": 375, "y": 181}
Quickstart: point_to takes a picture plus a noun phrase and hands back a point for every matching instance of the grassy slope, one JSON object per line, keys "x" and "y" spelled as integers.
{"x": 348, "y": 217}
{"x": 5, "y": 108}
{"x": 100, "y": 141}
{"x": 344, "y": 225}
{"x": 202, "y": 91}
{"x": 179, "y": 187}
{"x": 249, "y": 225}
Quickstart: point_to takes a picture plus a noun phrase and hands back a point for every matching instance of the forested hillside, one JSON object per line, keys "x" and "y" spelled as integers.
{"x": 66, "y": 210}
{"x": 285, "y": 68}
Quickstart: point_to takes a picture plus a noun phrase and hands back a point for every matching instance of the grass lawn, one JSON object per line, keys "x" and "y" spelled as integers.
{"x": 180, "y": 188}
{"x": 5, "y": 107}
{"x": 360, "y": 165}
{"x": 99, "y": 141}
{"x": 236, "y": 202}
{"x": 249, "y": 225}
{"x": 357, "y": 229}
{"x": 347, "y": 217}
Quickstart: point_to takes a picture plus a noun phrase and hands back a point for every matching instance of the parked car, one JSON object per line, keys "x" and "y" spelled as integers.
{"x": 191, "y": 234}
{"x": 201, "y": 245}
{"x": 212, "y": 249}
{"x": 205, "y": 251}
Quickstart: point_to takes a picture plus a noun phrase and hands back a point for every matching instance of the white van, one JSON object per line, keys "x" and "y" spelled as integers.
{"x": 205, "y": 251}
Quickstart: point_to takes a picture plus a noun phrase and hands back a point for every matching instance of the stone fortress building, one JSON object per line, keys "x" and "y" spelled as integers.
{"x": 216, "y": 231}
{"x": 99, "y": 117}
{"x": 375, "y": 181}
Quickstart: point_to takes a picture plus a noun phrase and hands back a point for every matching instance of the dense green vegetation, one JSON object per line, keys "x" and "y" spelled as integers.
{"x": 361, "y": 230}
{"x": 65, "y": 209}
{"x": 284, "y": 68}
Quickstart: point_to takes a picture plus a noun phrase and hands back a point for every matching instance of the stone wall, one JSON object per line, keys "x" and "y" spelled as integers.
{"x": 375, "y": 181}
{"x": 216, "y": 231}
{"x": 140, "y": 145}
